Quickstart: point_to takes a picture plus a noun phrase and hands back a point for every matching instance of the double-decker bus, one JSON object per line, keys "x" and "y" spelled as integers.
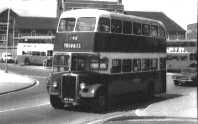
{"x": 181, "y": 54}
{"x": 100, "y": 55}
{"x": 34, "y": 50}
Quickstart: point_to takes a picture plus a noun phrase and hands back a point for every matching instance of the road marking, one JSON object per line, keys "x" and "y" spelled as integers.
{"x": 111, "y": 116}
{"x": 22, "y": 108}
{"x": 164, "y": 119}
{"x": 140, "y": 112}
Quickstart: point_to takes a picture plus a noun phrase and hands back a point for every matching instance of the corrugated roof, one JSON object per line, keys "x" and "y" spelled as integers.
{"x": 36, "y": 22}
{"x": 171, "y": 26}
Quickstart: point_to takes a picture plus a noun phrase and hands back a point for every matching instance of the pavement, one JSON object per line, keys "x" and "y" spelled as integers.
{"x": 183, "y": 106}
{"x": 11, "y": 82}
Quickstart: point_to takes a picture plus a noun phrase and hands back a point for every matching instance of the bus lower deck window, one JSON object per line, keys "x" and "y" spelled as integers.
{"x": 116, "y": 66}
{"x": 136, "y": 65}
{"x": 126, "y": 65}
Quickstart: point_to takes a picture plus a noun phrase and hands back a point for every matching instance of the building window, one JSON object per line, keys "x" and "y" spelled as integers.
{"x": 3, "y": 29}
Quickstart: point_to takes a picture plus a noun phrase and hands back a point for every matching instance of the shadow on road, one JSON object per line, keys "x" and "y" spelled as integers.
{"x": 126, "y": 104}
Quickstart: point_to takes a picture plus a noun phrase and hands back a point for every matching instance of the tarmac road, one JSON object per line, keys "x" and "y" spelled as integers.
{"x": 32, "y": 105}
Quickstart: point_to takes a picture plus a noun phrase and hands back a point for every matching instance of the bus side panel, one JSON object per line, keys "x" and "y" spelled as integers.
{"x": 128, "y": 43}
{"x": 121, "y": 84}
{"x": 160, "y": 82}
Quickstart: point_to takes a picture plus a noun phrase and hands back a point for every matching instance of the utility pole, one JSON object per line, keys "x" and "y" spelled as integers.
{"x": 13, "y": 35}
{"x": 7, "y": 38}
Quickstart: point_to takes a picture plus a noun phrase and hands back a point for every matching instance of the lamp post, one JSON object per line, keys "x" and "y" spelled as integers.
{"x": 7, "y": 38}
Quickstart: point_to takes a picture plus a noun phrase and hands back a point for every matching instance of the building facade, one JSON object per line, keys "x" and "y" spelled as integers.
{"x": 191, "y": 33}
{"x": 113, "y": 5}
{"x": 20, "y": 26}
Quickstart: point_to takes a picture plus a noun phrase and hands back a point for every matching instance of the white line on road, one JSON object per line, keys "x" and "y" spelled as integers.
{"x": 22, "y": 108}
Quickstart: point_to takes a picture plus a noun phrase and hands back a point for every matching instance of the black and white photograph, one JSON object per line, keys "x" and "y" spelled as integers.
{"x": 98, "y": 62}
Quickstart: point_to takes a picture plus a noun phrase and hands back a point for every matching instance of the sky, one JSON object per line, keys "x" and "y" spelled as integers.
{"x": 183, "y": 12}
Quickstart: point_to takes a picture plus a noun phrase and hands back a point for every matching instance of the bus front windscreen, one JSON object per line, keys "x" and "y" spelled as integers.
{"x": 61, "y": 63}
{"x": 66, "y": 24}
{"x": 86, "y": 24}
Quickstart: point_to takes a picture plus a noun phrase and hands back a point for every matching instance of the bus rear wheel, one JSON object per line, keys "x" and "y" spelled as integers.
{"x": 55, "y": 102}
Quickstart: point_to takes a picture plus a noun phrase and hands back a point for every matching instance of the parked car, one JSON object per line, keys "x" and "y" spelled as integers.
{"x": 7, "y": 56}
{"x": 188, "y": 76}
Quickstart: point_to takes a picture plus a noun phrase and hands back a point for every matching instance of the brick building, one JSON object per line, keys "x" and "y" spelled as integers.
{"x": 20, "y": 26}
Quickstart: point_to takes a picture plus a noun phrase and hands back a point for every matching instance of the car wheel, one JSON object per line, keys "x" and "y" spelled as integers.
{"x": 55, "y": 102}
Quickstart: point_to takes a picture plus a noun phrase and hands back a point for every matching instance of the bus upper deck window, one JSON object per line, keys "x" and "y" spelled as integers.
{"x": 137, "y": 28}
{"x": 104, "y": 25}
{"x": 127, "y": 27}
{"x": 116, "y": 26}
{"x": 154, "y": 30}
{"x": 146, "y": 29}
{"x": 161, "y": 32}
{"x": 86, "y": 24}
{"x": 66, "y": 24}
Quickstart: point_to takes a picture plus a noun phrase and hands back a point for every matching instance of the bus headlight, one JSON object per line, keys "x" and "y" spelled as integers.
{"x": 82, "y": 85}
{"x": 92, "y": 91}
{"x": 55, "y": 84}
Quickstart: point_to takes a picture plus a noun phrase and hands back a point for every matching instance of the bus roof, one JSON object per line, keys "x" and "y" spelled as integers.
{"x": 102, "y": 13}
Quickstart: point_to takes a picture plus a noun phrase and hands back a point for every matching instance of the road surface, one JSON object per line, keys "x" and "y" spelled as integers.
{"x": 32, "y": 105}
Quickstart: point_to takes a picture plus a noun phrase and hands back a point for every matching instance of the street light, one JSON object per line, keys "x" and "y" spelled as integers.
{"x": 7, "y": 38}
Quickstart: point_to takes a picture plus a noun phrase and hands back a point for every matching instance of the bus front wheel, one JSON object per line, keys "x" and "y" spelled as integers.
{"x": 55, "y": 102}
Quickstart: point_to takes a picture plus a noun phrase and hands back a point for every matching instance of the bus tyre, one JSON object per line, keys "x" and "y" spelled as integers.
{"x": 101, "y": 102}
{"x": 55, "y": 102}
